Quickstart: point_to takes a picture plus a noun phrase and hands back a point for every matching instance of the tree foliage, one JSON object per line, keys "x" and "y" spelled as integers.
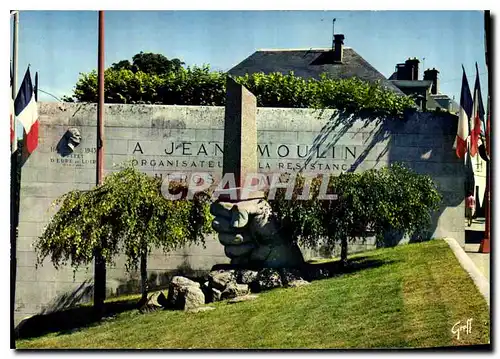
{"x": 201, "y": 86}
{"x": 193, "y": 86}
{"x": 374, "y": 202}
{"x": 128, "y": 215}
{"x": 351, "y": 95}
{"x": 149, "y": 63}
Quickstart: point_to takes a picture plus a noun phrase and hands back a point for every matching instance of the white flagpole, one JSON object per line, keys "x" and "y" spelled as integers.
{"x": 14, "y": 183}
{"x": 14, "y": 72}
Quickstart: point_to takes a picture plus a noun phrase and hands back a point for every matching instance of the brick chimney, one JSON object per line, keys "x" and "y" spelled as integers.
{"x": 338, "y": 52}
{"x": 412, "y": 69}
{"x": 401, "y": 72}
{"x": 432, "y": 75}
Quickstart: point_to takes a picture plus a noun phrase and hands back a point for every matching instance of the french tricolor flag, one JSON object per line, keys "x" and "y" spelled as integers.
{"x": 477, "y": 118}
{"x": 27, "y": 113}
{"x": 464, "y": 116}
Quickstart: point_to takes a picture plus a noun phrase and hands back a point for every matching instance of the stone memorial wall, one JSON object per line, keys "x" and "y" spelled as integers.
{"x": 164, "y": 139}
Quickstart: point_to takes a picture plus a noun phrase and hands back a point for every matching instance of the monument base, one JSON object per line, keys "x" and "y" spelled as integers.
{"x": 240, "y": 194}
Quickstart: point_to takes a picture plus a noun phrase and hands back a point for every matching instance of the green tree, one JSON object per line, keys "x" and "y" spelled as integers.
{"x": 156, "y": 64}
{"x": 149, "y": 63}
{"x": 374, "y": 202}
{"x": 127, "y": 214}
{"x": 122, "y": 65}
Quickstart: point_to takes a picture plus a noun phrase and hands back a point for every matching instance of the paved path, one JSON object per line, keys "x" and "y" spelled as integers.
{"x": 473, "y": 236}
{"x": 480, "y": 280}
{"x": 482, "y": 262}
{"x": 477, "y": 224}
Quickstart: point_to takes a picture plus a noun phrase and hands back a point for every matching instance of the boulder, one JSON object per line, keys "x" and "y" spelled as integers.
{"x": 183, "y": 282}
{"x": 192, "y": 297}
{"x": 184, "y": 294}
{"x": 216, "y": 294}
{"x": 234, "y": 290}
{"x": 159, "y": 298}
{"x": 220, "y": 279}
{"x": 207, "y": 291}
{"x": 155, "y": 301}
{"x": 267, "y": 278}
{"x": 246, "y": 276}
{"x": 290, "y": 275}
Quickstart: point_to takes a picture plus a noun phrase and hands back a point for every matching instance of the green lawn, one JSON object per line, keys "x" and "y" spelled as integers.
{"x": 408, "y": 296}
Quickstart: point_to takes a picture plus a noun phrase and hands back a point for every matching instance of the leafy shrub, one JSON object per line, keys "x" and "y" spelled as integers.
{"x": 200, "y": 86}
{"x": 373, "y": 202}
{"x": 126, "y": 214}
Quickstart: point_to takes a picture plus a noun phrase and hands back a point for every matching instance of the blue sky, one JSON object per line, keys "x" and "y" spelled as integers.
{"x": 61, "y": 44}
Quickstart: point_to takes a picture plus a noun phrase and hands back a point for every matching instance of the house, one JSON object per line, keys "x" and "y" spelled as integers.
{"x": 425, "y": 92}
{"x": 338, "y": 62}
{"x": 427, "y": 95}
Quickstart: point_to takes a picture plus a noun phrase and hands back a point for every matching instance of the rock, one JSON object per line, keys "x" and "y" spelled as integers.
{"x": 159, "y": 298}
{"x": 207, "y": 291}
{"x": 155, "y": 301}
{"x": 243, "y": 298}
{"x": 216, "y": 294}
{"x": 220, "y": 279}
{"x": 234, "y": 290}
{"x": 267, "y": 278}
{"x": 184, "y": 282}
{"x": 298, "y": 283}
{"x": 290, "y": 275}
{"x": 246, "y": 276}
{"x": 193, "y": 298}
{"x": 200, "y": 309}
{"x": 184, "y": 294}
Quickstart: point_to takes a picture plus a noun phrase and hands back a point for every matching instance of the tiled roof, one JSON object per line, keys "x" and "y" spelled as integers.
{"x": 310, "y": 63}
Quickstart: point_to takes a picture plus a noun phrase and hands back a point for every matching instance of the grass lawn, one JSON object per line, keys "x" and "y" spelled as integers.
{"x": 410, "y": 296}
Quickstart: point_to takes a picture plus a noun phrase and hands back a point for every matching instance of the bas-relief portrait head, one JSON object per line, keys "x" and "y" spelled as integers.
{"x": 70, "y": 140}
